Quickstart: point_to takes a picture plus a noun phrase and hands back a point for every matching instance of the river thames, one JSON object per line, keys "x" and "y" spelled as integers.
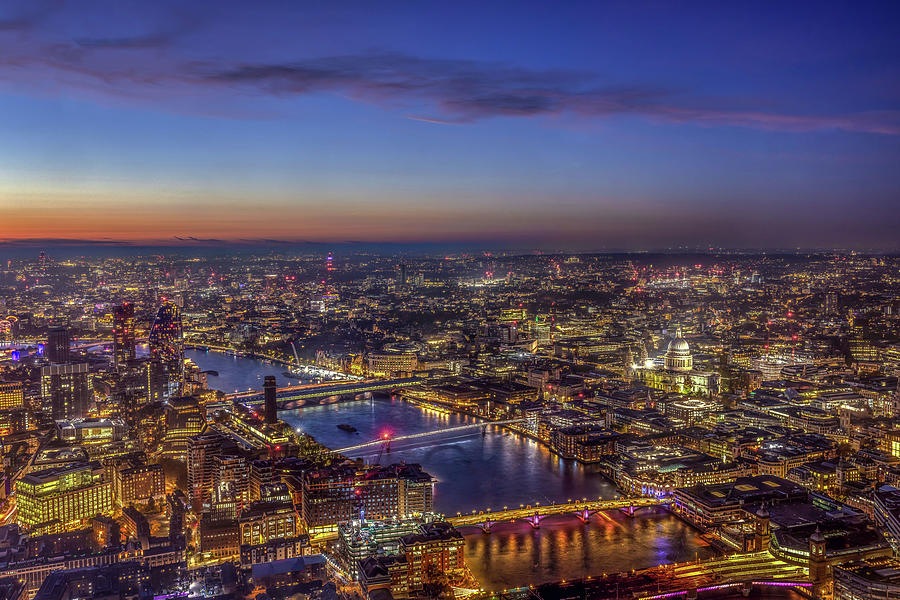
{"x": 490, "y": 470}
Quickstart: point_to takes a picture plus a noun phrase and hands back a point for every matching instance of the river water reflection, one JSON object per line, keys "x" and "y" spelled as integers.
{"x": 493, "y": 470}
{"x": 498, "y": 469}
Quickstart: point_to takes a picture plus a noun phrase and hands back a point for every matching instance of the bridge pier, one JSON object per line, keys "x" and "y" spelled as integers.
{"x": 535, "y": 520}
{"x": 692, "y": 594}
{"x": 746, "y": 587}
{"x": 486, "y": 526}
{"x": 584, "y": 515}
{"x": 628, "y": 511}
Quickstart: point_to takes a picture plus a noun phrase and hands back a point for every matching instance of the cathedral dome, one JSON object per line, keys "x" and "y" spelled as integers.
{"x": 679, "y": 344}
{"x": 678, "y": 356}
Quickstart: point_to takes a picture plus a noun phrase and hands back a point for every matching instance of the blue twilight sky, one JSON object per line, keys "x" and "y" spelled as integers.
{"x": 581, "y": 125}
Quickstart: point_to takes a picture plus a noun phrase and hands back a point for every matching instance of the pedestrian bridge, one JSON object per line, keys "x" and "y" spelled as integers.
{"x": 535, "y": 513}
{"x": 387, "y": 441}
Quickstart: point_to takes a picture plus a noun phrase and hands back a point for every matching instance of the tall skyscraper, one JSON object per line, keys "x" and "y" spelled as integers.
{"x": 66, "y": 389}
{"x": 271, "y": 394}
{"x": 166, "y": 341}
{"x": 58, "y": 346}
{"x": 123, "y": 334}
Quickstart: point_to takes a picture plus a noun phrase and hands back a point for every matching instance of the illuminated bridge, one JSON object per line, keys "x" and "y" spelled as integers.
{"x": 710, "y": 578}
{"x": 296, "y": 396}
{"x": 413, "y": 436}
{"x": 88, "y": 344}
{"x": 534, "y": 514}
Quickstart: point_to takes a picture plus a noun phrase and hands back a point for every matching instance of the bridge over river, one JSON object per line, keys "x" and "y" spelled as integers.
{"x": 388, "y": 440}
{"x": 535, "y": 513}
{"x": 712, "y": 578}
{"x": 296, "y": 396}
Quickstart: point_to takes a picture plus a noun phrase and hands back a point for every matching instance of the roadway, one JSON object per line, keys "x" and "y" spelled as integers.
{"x": 312, "y": 391}
{"x": 582, "y": 508}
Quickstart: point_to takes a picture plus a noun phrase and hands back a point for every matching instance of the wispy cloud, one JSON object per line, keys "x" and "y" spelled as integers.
{"x": 196, "y": 240}
{"x": 458, "y": 91}
{"x": 28, "y": 16}
{"x": 427, "y": 89}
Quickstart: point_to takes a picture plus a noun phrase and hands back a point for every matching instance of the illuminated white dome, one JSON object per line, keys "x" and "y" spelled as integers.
{"x": 678, "y": 356}
{"x": 679, "y": 345}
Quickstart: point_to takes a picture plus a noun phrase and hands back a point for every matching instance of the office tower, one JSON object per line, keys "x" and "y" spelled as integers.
{"x": 62, "y": 499}
{"x": 271, "y": 394}
{"x": 401, "y": 274}
{"x": 166, "y": 342}
{"x": 12, "y": 395}
{"x": 67, "y": 390}
{"x": 202, "y": 451}
{"x": 157, "y": 382}
{"x": 232, "y": 473}
{"x": 123, "y": 334}
{"x": 58, "y": 346}
{"x": 184, "y": 419}
{"x": 262, "y": 473}
{"x": 329, "y": 262}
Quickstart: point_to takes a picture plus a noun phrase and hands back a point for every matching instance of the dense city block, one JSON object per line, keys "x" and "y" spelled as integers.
{"x": 753, "y": 398}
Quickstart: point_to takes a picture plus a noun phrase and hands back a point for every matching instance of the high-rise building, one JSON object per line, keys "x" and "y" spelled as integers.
{"x": 66, "y": 389}
{"x": 157, "y": 382}
{"x": 271, "y": 394}
{"x": 261, "y": 473}
{"x": 12, "y": 395}
{"x": 167, "y": 343}
{"x": 123, "y": 334}
{"x": 58, "y": 346}
{"x": 184, "y": 419}
{"x": 232, "y": 473}
{"x": 202, "y": 467}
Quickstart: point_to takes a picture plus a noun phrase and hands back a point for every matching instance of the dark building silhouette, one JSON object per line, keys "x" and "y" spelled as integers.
{"x": 58, "y": 346}
{"x": 270, "y": 389}
{"x": 123, "y": 334}
{"x": 66, "y": 388}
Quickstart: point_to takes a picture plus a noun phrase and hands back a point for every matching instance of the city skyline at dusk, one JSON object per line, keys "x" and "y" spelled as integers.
{"x": 582, "y": 126}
